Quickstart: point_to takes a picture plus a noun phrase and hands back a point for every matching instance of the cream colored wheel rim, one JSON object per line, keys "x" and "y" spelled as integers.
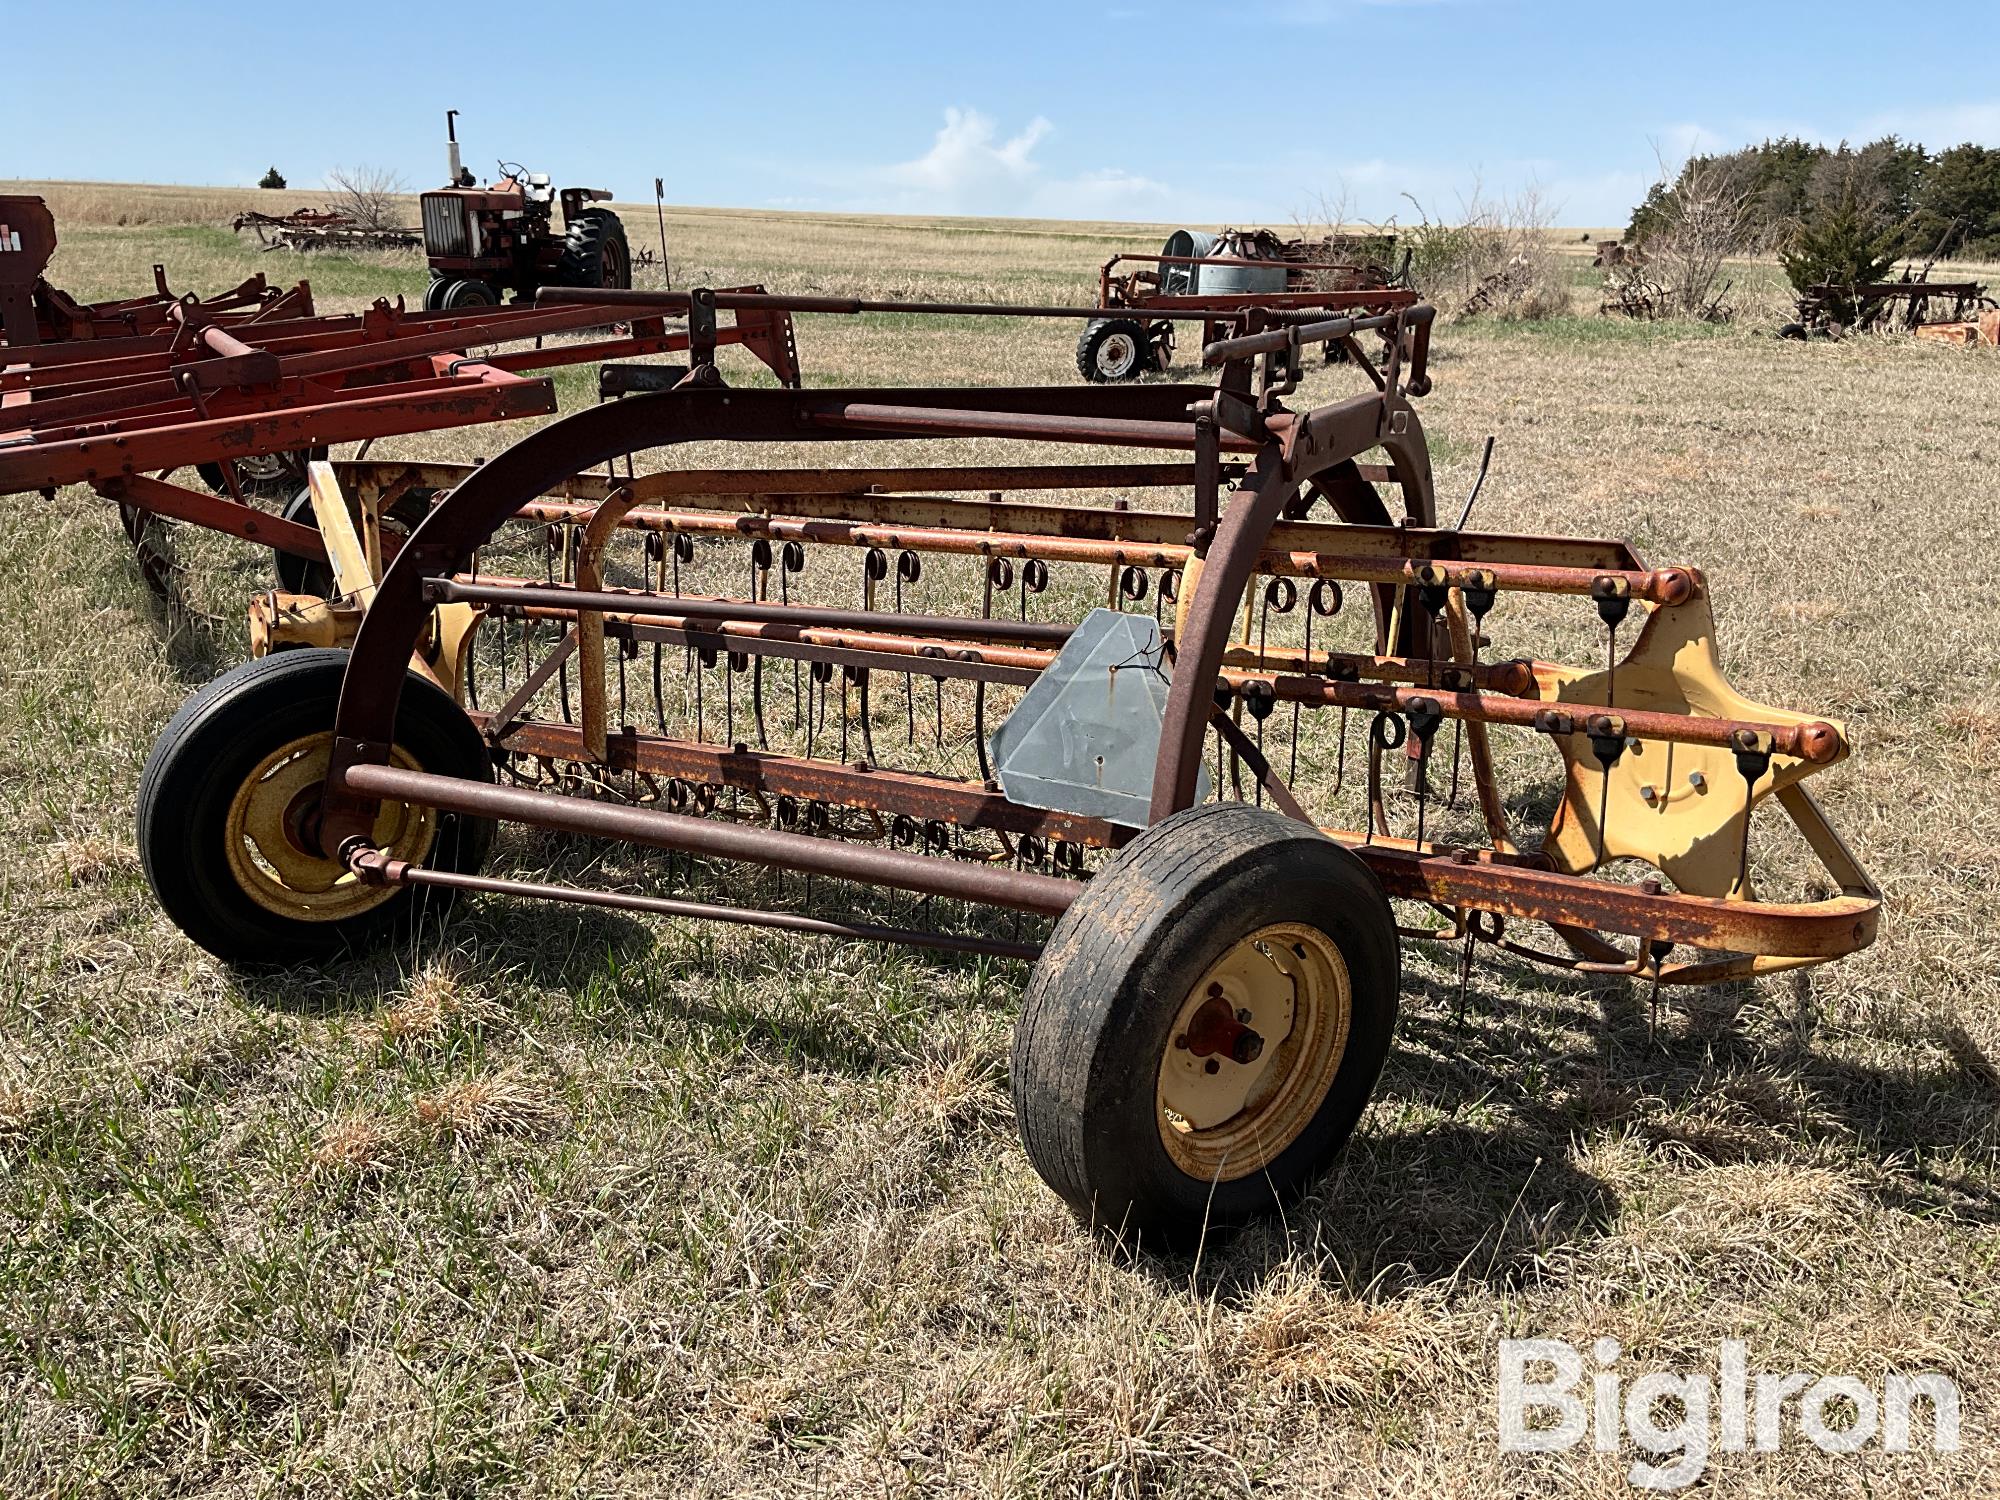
{"x": 1118, "y": 355}
{"x": 270, "y": 856}
{"x": 1253, "y": 1051}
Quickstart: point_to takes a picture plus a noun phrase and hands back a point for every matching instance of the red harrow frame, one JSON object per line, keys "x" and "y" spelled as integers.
{"x": 247, "y": 401}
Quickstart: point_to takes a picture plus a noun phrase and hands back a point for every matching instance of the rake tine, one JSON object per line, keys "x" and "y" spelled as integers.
{"x": 909, "y": 568}
{"x": 760, "y": 569}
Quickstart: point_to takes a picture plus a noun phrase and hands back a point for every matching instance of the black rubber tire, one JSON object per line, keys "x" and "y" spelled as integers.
{"x": 1110, "y": 983}
{"x": 305, "y": 575}
{"x": 1090, "y": 350}
{"x": 1793, "y": 331}
{"x": 595, "y": 251}
{"x": 302, "y": 575}
{"x": 434, "y": 291}
{"x": 467, "y": 291}
{"x": 218, "y": 738}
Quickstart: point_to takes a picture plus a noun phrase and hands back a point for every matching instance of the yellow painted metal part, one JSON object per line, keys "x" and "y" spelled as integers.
{"x": 263, "y": 837}
{"x": 1678, "y": 807}
{"x": 279, "y": 620}
{"x": 1220, "y": 1119}
{"x": 593, "y": 713}
{"x": 353, "y": 577}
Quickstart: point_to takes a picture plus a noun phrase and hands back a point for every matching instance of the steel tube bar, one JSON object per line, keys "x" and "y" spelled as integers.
{"x": 851, "y": 306}
{"x": 956, "y": 422}
{"x": 1818, "y": 742}
{"x": 957, "y": 880}
{"x": 689, "y": 610}
{"x": 875, "y": 788}
{"x": 880, "y": 653}
{"x": 1277, "y": 340}
{"x": 198, "y": 508}
{"x": 951, "y": 541}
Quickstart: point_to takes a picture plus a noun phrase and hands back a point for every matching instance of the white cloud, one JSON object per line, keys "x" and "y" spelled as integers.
{"x": 972, "y": 169}
{"x": 968, "y": 160}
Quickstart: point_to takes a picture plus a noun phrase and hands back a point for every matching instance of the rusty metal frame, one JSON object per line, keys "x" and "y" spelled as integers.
{"x": 1248, "y": 523}
{"x": 121, "y": 414}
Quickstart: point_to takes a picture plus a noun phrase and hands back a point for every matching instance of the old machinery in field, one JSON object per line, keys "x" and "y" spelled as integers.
{"x": 1205, "y": 278}
{"x": 1274, "y": 721}
{"x": 32, "y": 311}
{"x": 488, "y": 243}
{"x": 245, "y": 397}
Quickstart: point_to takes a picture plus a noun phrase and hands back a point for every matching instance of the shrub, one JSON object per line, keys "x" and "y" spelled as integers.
{"x": 272, "y": 179}
{"x": 369, "y": 196}
{"x": 1841, "y": 241}
{"x": 1696, "y": 219}
{"x": 1495, "y": 258}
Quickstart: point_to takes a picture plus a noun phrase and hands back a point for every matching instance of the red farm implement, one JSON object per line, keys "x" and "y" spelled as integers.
{"x": 1189, "y": 674}
{"x": 34, "y": 312}
{"x": 247, "y": 403}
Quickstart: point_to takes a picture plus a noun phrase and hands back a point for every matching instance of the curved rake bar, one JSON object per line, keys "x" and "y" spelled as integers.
{"x": 1146, "y": 416}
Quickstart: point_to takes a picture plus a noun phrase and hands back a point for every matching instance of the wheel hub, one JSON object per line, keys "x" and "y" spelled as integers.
{"x": 1117, "y": 355}
{"x": 1253, "y": 1051}
{"x": 269, "y": 836}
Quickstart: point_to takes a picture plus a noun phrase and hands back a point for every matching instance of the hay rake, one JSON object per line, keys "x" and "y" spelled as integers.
{"x": 1149, "y": 694}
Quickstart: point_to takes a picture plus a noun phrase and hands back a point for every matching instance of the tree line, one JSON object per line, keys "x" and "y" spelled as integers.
{"x": 1905, "y": 201}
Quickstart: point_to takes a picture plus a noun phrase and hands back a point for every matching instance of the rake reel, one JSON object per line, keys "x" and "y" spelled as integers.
{"x": 1233, "y": 749}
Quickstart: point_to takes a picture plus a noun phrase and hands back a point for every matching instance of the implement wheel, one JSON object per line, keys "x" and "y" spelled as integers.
{"x": 308, "y": 575}
{"x": 1206, "y": 1023}
{"x": 266, "y": 476}
{"x": 231, "y": 792}
{"x": 1110, "y": 350}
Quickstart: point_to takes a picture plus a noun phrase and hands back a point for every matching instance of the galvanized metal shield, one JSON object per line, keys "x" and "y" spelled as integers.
{"x": 1085, "y": 736}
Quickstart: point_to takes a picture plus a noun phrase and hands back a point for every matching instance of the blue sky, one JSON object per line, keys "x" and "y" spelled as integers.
{"x": 1256, "y": 109}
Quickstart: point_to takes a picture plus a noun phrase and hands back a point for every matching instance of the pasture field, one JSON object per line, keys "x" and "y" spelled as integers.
{"x": 560, "y": 1202}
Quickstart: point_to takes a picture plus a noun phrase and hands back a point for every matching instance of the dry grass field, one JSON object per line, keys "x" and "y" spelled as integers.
{"x": 560, "y": 1203}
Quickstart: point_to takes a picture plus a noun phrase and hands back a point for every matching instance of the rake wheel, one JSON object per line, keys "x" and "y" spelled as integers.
{"x": 1206, "y": 1022}
{"x": 228, "y": 806}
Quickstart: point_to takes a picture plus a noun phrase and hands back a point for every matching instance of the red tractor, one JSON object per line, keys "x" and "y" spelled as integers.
{"x": 485, "y": 242}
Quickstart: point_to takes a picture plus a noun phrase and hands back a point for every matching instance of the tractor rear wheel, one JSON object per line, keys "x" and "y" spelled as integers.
{"x": 230, "y": 795}
{"x": 1111, "y": 349}
{"x": 1206, "y": 1023}
{"x": 595, "y": 252}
